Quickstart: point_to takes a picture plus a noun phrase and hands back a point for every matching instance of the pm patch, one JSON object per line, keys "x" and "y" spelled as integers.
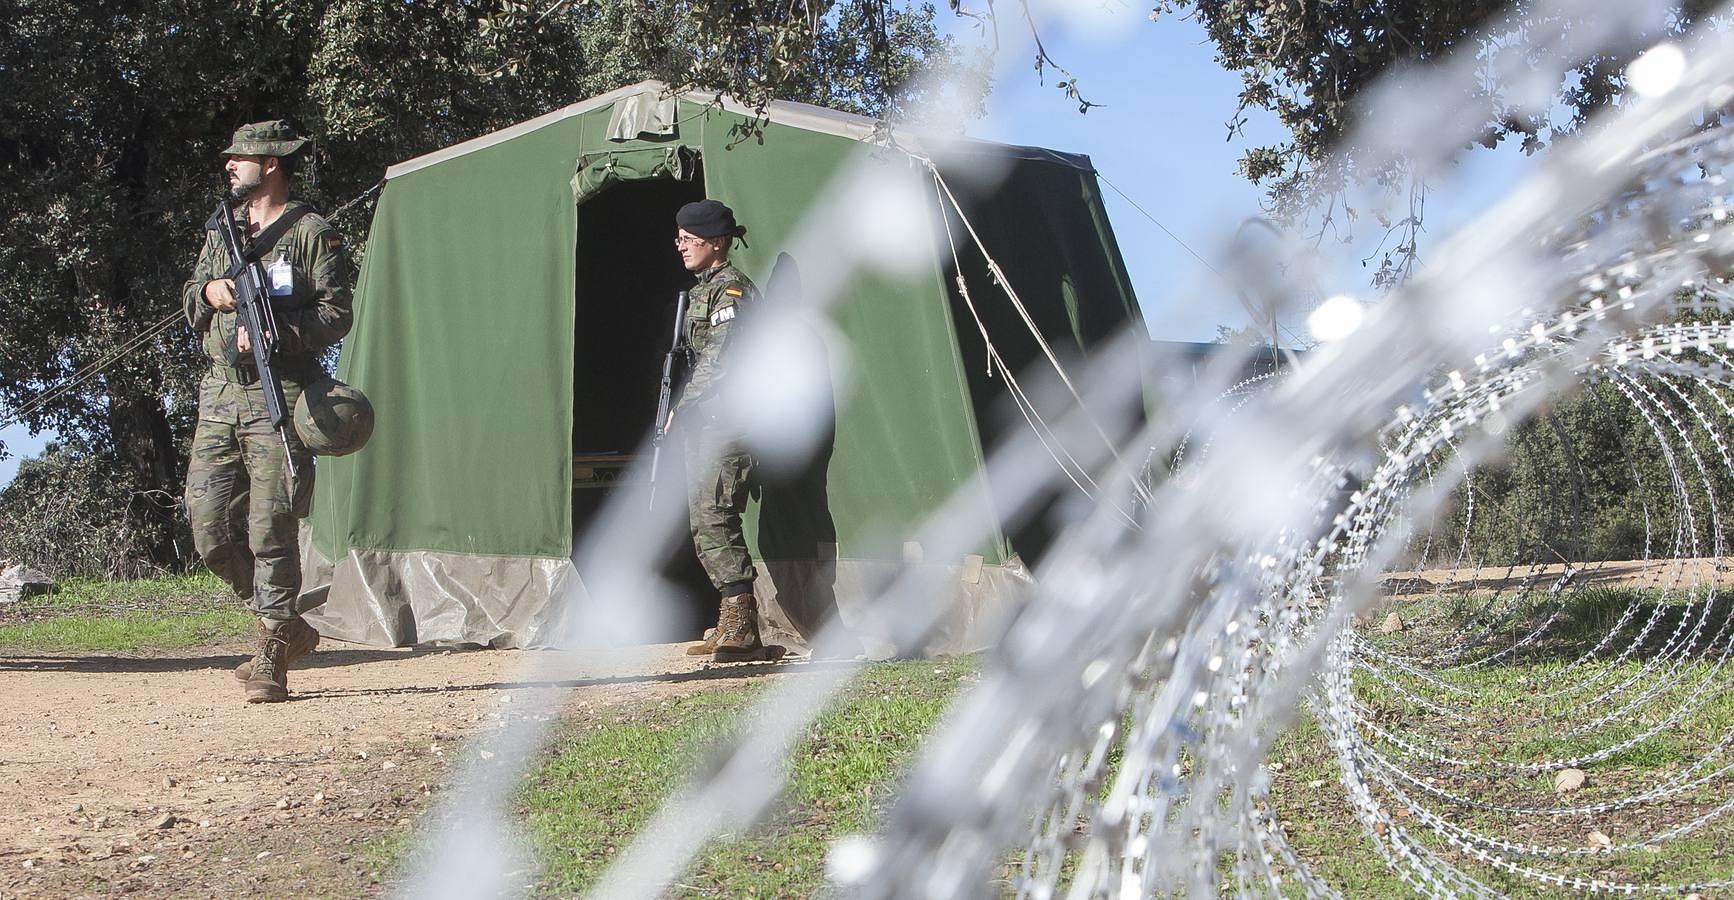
{"x": 725, "y": 314}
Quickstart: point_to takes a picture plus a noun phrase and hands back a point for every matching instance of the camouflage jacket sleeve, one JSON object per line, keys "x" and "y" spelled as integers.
{"x": 319, "y": 314}
{"x": 712, "y": 318}
{"x": 212, "y": 264}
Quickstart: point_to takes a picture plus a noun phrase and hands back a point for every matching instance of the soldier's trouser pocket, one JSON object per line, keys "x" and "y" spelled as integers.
{"x": 274, "y": 509}
{"x": 216, "y": 498}
{"x": 716, "y": 497}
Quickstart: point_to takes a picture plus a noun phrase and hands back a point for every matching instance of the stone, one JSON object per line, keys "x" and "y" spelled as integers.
{"x": 20, "y": 581}
{"x": 1598, "y": 841}
{"x": 166, "y": 820}
{"x": 1393, "y": 623}
{"x": 1567, "y": 780}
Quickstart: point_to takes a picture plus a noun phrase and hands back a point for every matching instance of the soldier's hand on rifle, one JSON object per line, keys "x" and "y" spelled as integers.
{"x": 243, "y": 342}
{"x": 220, "y": 295}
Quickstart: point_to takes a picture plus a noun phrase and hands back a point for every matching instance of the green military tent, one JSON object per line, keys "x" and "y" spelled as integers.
{"x": 512, "y": 310}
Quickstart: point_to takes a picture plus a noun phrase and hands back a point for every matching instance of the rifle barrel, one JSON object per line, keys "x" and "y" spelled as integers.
{"x": 665, "y": 394}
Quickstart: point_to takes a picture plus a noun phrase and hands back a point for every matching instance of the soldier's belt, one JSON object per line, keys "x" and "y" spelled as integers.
{"x": 295, "y": 371}
{"x": 235, "y": 375}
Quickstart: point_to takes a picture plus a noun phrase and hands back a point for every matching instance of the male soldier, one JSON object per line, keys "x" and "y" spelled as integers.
{"x": 243, "y": 509}
{"x": 719, "y": 471}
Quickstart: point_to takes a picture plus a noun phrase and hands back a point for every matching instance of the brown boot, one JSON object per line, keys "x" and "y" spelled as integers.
{"x": 704, "y": 646}
{"x": 302, "y": 639}
{"x": 270, "y": 674}
{"x": 737, "y": 630}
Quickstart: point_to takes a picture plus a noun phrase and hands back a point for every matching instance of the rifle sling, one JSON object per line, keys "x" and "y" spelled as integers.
{"x": 271, "y": 234}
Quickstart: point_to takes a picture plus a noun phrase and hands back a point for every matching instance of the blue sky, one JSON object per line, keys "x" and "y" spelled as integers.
{"x": 19, "y": 444}
{"x": 1159, "y": 136}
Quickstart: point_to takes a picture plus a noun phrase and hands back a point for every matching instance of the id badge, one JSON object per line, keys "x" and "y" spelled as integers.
{"x": 281, "y": 275}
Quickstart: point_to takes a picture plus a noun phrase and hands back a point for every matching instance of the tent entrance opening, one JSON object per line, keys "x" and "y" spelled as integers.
{"x": 628, "y": 277}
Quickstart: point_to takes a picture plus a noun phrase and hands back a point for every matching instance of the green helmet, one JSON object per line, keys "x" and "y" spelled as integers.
{"x": 332, "y": 418}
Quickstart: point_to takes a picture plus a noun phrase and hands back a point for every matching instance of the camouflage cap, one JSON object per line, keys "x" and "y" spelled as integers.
{"x": 274, "y": 138}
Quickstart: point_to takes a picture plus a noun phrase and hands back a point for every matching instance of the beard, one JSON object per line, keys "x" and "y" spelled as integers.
{"x": 244, "y": 188}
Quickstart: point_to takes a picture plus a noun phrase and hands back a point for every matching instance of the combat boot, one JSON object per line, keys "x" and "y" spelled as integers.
{"x": 269, "y": 681}
{"x": 705, "y": 646}
{"x": 737, "y": 630}
{"x": 302, "y": 638}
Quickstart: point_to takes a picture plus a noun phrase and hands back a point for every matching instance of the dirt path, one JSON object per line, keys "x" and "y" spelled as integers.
{"x": 1674, "y": 574}
{"x": 149, "y": 775}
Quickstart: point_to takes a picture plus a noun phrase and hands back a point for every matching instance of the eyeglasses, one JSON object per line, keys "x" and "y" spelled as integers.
{"x": 687, "y": 240}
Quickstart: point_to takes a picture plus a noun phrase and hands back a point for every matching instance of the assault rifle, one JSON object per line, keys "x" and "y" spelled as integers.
{"x": 253, "y": 305}
{"x": 677, "y": 351}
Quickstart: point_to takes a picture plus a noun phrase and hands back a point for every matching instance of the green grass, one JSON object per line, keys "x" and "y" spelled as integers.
{"x": 178, "y": 590}
{"x": 600, "y": 785}
{"x": 1326, "y": 835}
{"x": 1514, "y": 721}
{"x": 127, "y": 632}
{"x": 388, "y": 851}
{"x": 1319, "y": 824}
{"x": 85, "y": 614}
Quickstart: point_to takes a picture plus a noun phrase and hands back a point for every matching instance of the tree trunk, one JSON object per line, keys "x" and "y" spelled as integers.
{"x": 141, "y": 433}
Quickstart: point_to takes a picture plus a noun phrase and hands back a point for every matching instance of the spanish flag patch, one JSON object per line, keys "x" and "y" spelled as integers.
{"x": 732, "y": 291}
{"x": 333, "y": 242}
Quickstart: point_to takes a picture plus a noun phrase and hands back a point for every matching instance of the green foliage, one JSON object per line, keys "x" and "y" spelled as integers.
{"x": 73, "y": 511}
{"x": 112, "y": 117}
{"x": 1585, "y": 480}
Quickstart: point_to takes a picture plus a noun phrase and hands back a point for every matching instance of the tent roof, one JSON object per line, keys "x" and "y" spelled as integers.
{"x": 783, "y": 112}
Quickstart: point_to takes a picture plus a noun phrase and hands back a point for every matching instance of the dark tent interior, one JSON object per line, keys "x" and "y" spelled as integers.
{"x": 628, "y": 277}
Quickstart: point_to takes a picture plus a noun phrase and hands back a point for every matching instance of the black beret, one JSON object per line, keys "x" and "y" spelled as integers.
{"x": 707, "y": 219}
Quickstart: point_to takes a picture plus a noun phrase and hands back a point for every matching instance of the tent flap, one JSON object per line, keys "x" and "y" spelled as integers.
{"x": 599, "y": 170}
{"x": 646, "y": 114}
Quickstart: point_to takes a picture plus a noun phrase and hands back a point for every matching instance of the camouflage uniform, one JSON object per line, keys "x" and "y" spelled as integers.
{"x": 719, "y": 471}
{"x": 244, "y": 514}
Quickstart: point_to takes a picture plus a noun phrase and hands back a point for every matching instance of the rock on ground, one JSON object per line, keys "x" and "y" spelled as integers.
{"x": 20, "y": 581}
